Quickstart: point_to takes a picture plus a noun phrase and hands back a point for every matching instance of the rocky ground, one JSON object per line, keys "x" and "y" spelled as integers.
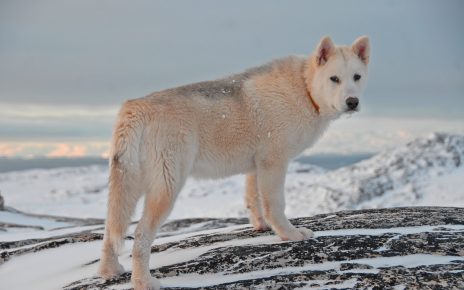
{"x": 397, "y": 248}
{"x": 2, "y": 202}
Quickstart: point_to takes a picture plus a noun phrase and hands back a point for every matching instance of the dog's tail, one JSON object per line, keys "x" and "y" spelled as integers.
{"x": 124, "y": 179}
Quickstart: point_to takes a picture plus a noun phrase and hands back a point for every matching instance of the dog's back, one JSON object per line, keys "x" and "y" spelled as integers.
{"x": 223, "y": 122}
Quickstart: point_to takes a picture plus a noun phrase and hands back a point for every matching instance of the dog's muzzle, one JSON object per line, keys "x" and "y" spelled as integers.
{"x": 352, "y": 103}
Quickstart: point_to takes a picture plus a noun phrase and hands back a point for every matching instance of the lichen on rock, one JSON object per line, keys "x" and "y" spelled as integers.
{"x": 395, "y": 248}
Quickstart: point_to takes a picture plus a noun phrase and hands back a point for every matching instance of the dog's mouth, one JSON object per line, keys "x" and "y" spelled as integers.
{"x": 352, "y": 111}
{"x": 346, "y": 111}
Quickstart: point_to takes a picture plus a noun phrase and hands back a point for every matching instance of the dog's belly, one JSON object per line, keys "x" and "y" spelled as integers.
{"x": 217, "y": 166}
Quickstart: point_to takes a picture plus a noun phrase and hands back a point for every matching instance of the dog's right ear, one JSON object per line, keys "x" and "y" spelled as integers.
{"x": 324, "y": 50}
{"x": 361, "y": 48}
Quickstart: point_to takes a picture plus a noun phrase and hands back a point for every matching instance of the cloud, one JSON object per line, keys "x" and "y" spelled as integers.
{"x": 9, "y": 150}
{"x": 57, "y": 123}
{"x": 54, "y": 149}
{"x": 11, "y": 110}
{"x": 67, "y": 150}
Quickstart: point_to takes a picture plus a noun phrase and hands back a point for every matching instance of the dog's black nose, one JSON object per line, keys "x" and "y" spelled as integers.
{"x": 352, "y": 103}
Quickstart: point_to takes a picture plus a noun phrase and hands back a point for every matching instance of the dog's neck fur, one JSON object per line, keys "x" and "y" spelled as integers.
{"x": 309, "y": 70}
{"x": 308, "y": 75}
{"x": 313, "y": 102}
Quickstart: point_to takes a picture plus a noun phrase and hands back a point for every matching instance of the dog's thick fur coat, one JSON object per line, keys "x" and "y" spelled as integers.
{"x": 254, "y": 123}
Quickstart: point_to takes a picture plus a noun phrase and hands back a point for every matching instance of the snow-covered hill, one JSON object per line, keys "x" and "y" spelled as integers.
{"x": 426, "y": 171}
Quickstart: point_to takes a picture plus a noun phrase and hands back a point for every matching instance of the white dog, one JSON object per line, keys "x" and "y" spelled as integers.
{"x": 254, "y": 122}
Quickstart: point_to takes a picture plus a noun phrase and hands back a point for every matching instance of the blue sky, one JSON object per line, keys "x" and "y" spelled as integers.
{"x": 67, "y": 65}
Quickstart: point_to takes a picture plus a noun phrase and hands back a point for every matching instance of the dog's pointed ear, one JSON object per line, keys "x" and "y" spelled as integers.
{"x": 362, "y": 48}
{"x": 324, "y": 50}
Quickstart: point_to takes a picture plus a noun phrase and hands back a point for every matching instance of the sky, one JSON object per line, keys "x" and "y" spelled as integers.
{"x": 66, "y": 66}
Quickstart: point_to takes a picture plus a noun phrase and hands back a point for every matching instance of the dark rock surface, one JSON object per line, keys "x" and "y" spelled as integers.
{"x": 398, "y": 248}
{"x": 340, "y": 259}
{"x": 2, "y": 202}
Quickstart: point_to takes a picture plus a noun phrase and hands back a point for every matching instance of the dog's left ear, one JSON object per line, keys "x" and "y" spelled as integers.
{"x": 324, "y": 50}
{"x": 362, "y": 49}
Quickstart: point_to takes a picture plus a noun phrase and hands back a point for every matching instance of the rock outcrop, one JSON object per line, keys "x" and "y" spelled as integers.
{"x": 397, "y": 248}
{"x": 2, "y": 202}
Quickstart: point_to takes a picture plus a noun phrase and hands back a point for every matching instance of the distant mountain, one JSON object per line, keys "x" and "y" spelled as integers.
{"x": 17, "y": 164}
{"x": 396, "y": 177}
{"x": 407, "y": 169}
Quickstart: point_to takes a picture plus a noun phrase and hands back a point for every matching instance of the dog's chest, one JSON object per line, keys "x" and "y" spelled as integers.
{"x": 303, "y": 137}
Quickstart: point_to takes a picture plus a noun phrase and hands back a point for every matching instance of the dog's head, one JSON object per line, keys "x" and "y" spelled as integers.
{"x": 336, "y": 76}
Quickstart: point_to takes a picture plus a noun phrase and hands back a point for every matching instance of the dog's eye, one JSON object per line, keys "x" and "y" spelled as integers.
{"x": 335, "y": 79}
{"x": 356, "y": 77}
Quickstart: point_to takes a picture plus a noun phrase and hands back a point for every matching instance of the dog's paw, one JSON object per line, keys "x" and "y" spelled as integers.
{"x": 150, "y": 283}
{"x": 307, "y": 233}
{"x": 259, "y": 224}
{"x": 297, "y": 234}
{"x": 110, "y": 270}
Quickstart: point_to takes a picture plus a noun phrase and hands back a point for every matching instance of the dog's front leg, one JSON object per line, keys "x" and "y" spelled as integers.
{"x": 253, "y": 203}
{"x": 271, "y": 179}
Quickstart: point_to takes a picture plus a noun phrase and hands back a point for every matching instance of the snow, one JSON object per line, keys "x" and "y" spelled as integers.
{"x": 409, "y": 261}
{"x": 44, "y": 234}
{"x": 59, "y": 272}
{"x": 46, "y": 224}
{"x": 78, "y": 191}
{"x": 444, "y": 190}
{"x": 72, "y": 262}
{"x": 402, "y": 230}
{"x": 421, "y": 173}
{"x": 63, "y": 265}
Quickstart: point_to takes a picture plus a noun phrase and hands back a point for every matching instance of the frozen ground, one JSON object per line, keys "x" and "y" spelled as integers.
{"x": 405, "y": 248}
{"x": 426, "y": 171}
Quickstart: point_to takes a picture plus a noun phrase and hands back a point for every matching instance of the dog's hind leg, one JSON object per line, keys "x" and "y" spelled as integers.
{"x": 122, "y": 199}
{"x": 174, "y": 167}
{"x": 157, "y": 207}
{"x": 124, "y": 186}
{"x": 253, "y": 203}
